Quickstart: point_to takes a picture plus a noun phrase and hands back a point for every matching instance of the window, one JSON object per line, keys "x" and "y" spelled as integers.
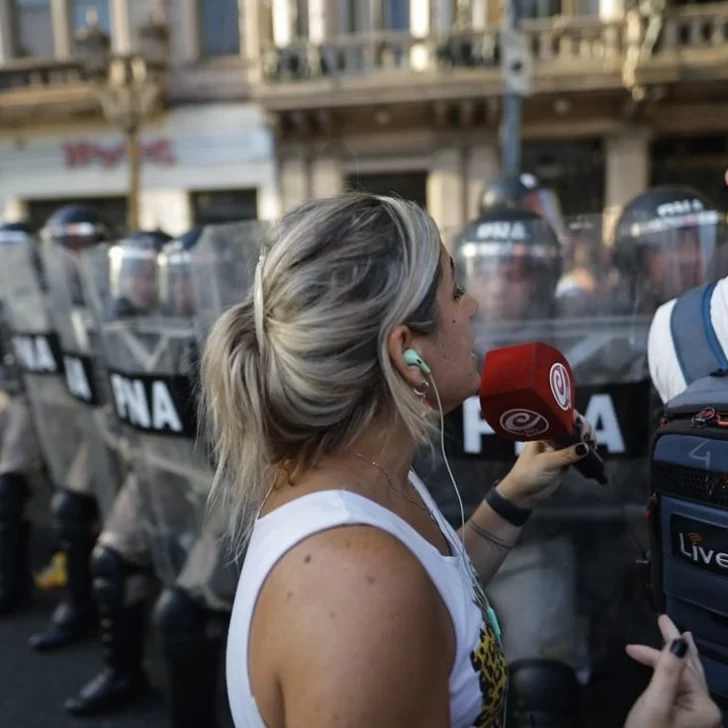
{"x": 396, "y": 15}
{"x": 220, "y": 207}
{"x": 574, "y": 170}
{"x": 408, "y": 185}
{"x": 112, "y": 209}
{"x": 698, "y": 162}
{"x": 533, "y": 9}
{"x": 219, "y": 27}
{"x": 80, "y": 9}
{"x": 33, "y": 28}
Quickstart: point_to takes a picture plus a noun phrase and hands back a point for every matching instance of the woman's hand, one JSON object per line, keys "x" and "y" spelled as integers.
{"x": 539, "y": 468}
{"x": 677, "y": 696}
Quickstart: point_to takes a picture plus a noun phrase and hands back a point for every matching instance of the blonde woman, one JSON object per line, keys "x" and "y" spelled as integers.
{"x": 358, "y": 604}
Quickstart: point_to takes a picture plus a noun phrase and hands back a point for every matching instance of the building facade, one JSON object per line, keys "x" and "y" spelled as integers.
{"x": 206, "y": 156}
{"x": 399, "y": 96}
{"x": 406, "y": 95}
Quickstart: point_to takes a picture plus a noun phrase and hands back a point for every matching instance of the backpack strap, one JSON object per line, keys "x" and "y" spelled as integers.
{"x": 696, "y": 344}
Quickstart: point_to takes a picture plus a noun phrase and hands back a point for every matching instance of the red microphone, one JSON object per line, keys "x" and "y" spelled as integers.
{"x": 527, "y": 393}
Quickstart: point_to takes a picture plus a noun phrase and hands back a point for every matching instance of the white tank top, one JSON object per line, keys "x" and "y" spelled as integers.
{"x": 479, "y": 675}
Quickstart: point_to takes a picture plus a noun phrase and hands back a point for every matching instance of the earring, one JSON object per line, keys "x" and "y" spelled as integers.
{"x": 421, "y": 395}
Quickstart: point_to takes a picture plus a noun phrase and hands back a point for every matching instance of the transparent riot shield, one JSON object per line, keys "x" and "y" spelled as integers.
{"x": 586, "y": 538}
{"x": 85, "y": 374}
{"x": 151, "y": 361}
{"x": 224, "y": 266}
{"x": 10, "y": 375}
{"x": 37, "y": 351}
{"x": 221, "y": 270}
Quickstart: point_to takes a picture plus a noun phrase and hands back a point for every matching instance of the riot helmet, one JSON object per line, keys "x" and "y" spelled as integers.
{"x": 176, "y": 290}
{"x": 134, "y": 272}
{"x": 76, "y": 227}
{"x": 525, "y": 192}
{"x": 15, "y": 232}
{"x": 666, "y": 241}
{"x": 510, "y": 260}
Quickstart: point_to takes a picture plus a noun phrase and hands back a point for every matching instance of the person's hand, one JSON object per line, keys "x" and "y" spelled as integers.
{"x": 539, "y": 469}
{"x": 677, "y": 696}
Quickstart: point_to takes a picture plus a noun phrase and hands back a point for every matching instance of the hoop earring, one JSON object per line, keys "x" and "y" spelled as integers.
{"x": 421, "y": 395}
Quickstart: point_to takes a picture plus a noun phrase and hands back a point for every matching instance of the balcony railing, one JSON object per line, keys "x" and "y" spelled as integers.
{"x": 568, "y": 53}
{"x": 30, "y": 84}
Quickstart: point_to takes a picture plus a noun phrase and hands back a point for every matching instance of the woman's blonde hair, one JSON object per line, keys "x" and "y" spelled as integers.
{"x": 337, "y": 277}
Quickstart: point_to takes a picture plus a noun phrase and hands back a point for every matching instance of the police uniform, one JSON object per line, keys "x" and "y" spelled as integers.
{"x": 20, "y": 464}
{"x": 157, "y": 528}
{"x": 75, "y": 453}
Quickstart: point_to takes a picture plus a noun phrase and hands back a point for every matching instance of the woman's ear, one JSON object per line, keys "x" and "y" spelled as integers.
{"x": 398, "y": 342}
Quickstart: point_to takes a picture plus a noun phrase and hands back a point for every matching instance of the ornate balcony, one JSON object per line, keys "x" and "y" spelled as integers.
{"x": 52, "y": 88}
{"x": 570, "y": 54}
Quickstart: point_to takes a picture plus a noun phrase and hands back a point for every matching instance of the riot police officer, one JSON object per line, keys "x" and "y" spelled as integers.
{"x": 120, "y": 563}
{"x": 192, "y": 613}
{"x": 20, "y": 460}
{"x": 667, "y": 240}
{"x": 512, "y": 262}
{"x": 157, "y": 529}
{"x": 75, "y": 508}
{"x": 524, "y": 192}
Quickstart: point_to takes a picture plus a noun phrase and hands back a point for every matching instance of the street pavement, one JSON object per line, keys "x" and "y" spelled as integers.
{"x": 34, "y": 686}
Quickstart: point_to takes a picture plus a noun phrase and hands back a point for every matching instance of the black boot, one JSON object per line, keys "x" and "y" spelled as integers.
{"x": 15, "y": 578}
{"x": 192, "y": 640}
{"x": 122, "y": 634}
{"x": 75, "y": 616}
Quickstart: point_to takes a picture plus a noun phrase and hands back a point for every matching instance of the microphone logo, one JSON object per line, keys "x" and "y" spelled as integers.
{"x": 560, "y": 386}
{"x": 524, "y": 422}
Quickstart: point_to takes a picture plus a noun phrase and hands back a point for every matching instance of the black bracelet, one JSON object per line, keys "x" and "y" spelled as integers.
{"x": 505, "y": 509}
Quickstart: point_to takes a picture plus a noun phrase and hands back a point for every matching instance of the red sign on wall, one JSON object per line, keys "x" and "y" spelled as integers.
{"x": 83, "y": 154}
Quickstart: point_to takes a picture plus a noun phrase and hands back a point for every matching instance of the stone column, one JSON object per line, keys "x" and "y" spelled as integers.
{"x": 317, "y": 21}
{"x": 479, "y": 14}
{"x": 419, "y": 12}
{"x": 254, "y": 39}
{"x": 295, "y": 180}
{"x": 327, "y": 176}
{"x": 269, "y": 202}
{"x": 441, "y": 15}
{"x": 481, "y": 168}
{"x": 7, "y": 50}
{"x": 121, "y": 28}
{"x": 170, "y": 210}
{"x": 282, "y": 14}
{"x": 14, "y": 209}
{"x": 627, "y": 165}
{"x": 446, "y": 190}
{"x": 61, "y": 20}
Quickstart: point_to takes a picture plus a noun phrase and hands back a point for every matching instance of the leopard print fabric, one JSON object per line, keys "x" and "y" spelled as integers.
{"x": 489, "y": 662}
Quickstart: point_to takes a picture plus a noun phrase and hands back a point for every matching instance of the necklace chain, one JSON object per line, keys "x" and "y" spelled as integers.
{"x": 378, "y": 467}
{"x": 372, "y": 463}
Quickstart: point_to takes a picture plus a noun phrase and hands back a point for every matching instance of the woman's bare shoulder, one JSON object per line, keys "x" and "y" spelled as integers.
{"x": 364, "y": 559}
{"x": 349, "y": 612}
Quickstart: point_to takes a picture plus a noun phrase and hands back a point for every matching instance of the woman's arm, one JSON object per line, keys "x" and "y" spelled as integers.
{"x": 488, "y": 537}
{"x": 356, "y": 634}
{"x": 535, "y": 476}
